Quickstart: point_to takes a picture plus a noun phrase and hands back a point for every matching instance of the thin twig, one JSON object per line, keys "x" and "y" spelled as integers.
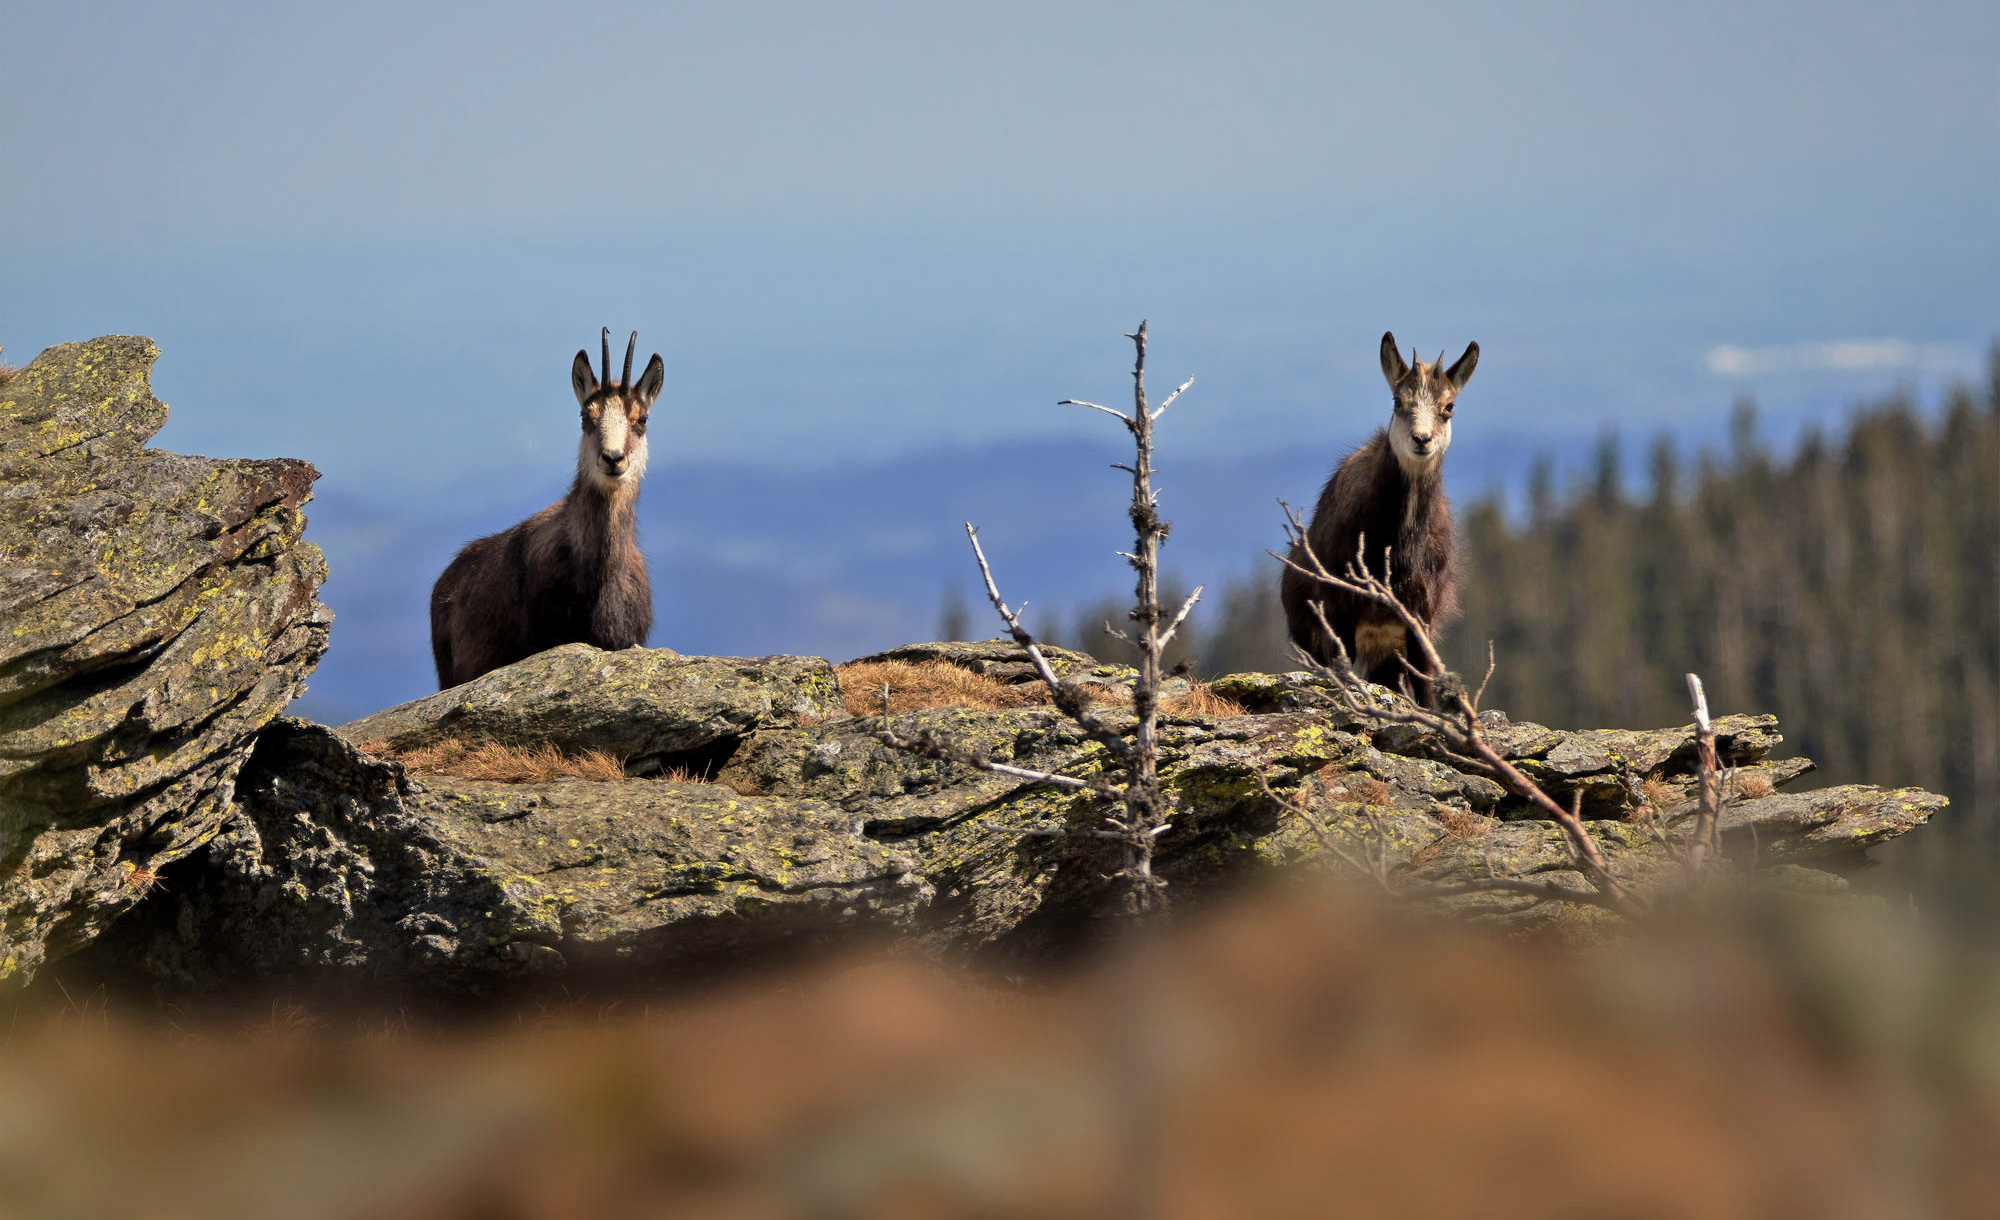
{"x": 1120, "y": 416}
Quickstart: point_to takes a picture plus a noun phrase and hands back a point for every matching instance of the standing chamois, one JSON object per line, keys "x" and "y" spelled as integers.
{"x": 1390, "y": 493}
{"x": 572, "y": 572}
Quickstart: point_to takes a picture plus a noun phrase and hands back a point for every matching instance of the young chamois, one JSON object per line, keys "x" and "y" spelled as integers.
{"x": 1390, "y": 493}
{"x": 573, "y": 571}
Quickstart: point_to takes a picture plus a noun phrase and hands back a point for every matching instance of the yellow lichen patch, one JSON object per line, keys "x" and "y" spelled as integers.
{"x": 504, "y": 764}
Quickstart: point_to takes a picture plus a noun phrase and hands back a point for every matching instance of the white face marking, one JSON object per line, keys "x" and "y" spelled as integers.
{"x": 1417, "y": 417}
{"x": 613, "y": 436}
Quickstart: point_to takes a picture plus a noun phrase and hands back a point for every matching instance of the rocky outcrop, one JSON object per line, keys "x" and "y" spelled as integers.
{"x": 341, "y": 865}
{"x": 650, "y": 707}
{"x": 156, "y": 612}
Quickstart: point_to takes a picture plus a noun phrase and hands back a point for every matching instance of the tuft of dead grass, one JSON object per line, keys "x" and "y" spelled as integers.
{"x": 741, "y": 785}
{"x": 1201, "y": 700}
{"x": 1660, "y": 793}
{"x": 504, "y": 764}
{"x": 1750, "y": 786}
{"x": 927, "y": 684}
{"x": 916, "y": 686}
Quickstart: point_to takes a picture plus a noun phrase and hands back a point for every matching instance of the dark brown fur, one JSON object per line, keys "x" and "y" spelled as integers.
{"x": 1371, "y": 497}
{"x": 573, "y": 572}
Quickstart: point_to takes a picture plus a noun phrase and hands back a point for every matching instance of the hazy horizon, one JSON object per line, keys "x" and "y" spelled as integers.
{"x": 373, "y": 237}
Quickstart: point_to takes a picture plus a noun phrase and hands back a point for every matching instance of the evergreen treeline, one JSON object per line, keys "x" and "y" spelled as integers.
{"x": 1852, "y": 588}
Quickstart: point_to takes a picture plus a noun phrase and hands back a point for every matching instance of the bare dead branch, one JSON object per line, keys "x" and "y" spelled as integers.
{"x": 1479, "y": 696}
{"x": 1067, "y": 700}
{"x": 1169, "y": 400}
{"x": 1456, "y": 720}
{"x": 1375, "y": 866}
{"x": 1187, "y": 607}
{"x": 929, "y": 745}
{"x": 1120, "y": 416}
{"x": 1706, "y": 844}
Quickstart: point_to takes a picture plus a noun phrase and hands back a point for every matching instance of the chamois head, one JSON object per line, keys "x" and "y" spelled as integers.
{"x": 612, "y": 451}
{"x": 1420, "y": 429}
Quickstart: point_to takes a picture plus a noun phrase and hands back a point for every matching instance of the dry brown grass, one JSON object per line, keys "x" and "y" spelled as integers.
{"x": 927, "y": 684}
{"x": 505, "y": 764}
{"x": 741, "y": 785}
{"x": 1750, "y": 786}
{"x": 1201, "y": 700}
{"x": 7, "y": 371}
{"x": 1660, "y": 793}
{"x": 1459, "y": 825}
{"x": 913, "y": 687}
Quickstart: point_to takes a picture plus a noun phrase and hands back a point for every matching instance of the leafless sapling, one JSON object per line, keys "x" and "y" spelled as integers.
{"x": 1138, "y": 812}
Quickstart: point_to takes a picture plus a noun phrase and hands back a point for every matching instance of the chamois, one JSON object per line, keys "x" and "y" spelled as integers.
{"x": 1389, "y": 496}
{"x": 572, "y": 572}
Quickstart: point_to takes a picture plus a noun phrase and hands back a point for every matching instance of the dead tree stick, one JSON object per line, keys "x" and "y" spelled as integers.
{"x": 1132, "y": 780}
{"x": 1707, "y": 842}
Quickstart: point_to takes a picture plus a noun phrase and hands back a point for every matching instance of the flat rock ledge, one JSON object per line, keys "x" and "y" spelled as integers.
{"x": 340, "y": 867}
{"x": 156, "y": 612}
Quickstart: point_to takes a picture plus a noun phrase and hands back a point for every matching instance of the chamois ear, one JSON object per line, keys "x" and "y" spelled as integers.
{"x": 651, "y": 380}
{"x": 1461, "y": 372}
{"x": 1393, "y": 366}
{"x": 581, "y": 379}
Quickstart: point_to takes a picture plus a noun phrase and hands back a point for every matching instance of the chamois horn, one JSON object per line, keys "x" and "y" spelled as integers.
{"x": 625, "y": 381}
{"x": 604, "y": 339}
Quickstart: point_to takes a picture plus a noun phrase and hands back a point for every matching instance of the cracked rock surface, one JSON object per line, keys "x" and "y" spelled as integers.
{"x": 342, "y": 866}
{"x": 156, "y": 612}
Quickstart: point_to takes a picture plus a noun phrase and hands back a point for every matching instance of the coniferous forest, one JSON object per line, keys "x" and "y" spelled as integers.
{"x": 1851, "y": 586}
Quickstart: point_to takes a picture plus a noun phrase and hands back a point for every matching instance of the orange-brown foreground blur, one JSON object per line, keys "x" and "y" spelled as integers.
{"x": 1294, "y": 1057}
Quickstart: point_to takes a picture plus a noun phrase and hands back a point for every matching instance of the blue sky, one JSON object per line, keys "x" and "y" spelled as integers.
{"x": 902, "y": 224}
{"x": 372, "y": 235}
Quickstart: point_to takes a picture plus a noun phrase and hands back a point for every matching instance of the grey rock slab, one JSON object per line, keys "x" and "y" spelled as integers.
{"x": 156, "y": 612}
{"x": 635, "y": 704}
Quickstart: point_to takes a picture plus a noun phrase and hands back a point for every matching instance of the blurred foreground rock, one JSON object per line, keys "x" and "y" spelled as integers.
{"x": 765, "y": 817}
{"x": 156, "y": 611}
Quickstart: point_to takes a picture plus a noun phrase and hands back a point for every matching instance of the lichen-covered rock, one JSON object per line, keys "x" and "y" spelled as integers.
{"x": 344, "y": 865}
{"x": 643, "y": 705}
{"x": 156, "y": 611}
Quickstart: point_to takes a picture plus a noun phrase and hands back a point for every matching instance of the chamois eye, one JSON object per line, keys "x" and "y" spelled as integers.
{"x": 639, "y": 427}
